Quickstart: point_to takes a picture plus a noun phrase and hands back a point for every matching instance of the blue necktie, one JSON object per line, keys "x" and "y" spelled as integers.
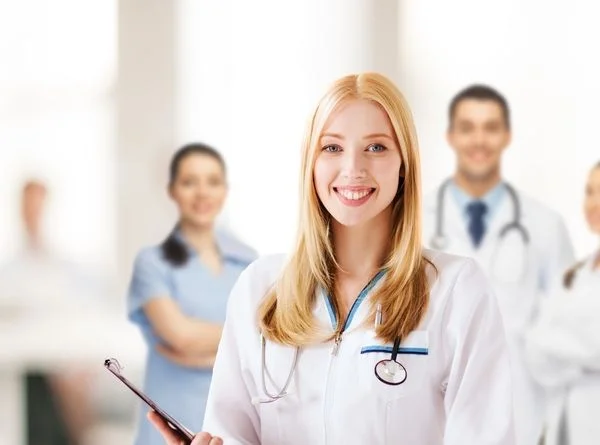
{"x": 476, "y": 211}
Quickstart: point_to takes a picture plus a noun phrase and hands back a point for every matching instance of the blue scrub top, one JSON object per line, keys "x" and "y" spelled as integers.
{"x": 199, "y": 293}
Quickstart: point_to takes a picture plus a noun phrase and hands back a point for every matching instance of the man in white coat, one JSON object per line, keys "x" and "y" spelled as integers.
{"x": 522, "y": 245}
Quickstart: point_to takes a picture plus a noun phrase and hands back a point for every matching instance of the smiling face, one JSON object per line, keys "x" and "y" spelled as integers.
{"x": 592, "y": 200}
{"x": 357, "y": 169}
{"x": 199, "y": 189}
{"x": 478, "y": 134}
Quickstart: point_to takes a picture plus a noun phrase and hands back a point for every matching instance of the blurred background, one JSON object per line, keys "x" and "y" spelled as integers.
{"x": 95, "y": 96}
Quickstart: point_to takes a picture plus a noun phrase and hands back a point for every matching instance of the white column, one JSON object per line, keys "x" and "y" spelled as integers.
{"x": 146, "y": 124}
{"x": 250, "y": 72}
{"x": 349, "y": 36}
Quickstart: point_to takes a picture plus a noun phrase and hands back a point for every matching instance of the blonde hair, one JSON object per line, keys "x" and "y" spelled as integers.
{"x": 286, "y": 313}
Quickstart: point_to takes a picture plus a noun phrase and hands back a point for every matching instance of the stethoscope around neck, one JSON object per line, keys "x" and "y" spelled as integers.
{"x": 388, "y": 371}
{"x": 440, "y": 240}
{"x": 273, "y": 397}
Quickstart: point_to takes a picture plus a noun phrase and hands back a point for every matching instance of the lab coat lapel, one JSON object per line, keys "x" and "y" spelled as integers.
{"x": 506, "y": 258}
{"x": 501, "y": 217}
{"x": 455, "y": 227}
{"x": 323, "y": 311}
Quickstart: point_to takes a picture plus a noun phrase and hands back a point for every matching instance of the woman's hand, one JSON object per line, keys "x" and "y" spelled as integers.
{"x": 172, "y": 438}
{"x": 185, "y": 360}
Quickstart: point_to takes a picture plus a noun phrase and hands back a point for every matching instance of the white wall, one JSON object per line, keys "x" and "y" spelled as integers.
{"x": 146, "y": 127}
{"x": 56, "y": 122}
{"x": 249, "y": 75}
{"x": 536, "y": 53}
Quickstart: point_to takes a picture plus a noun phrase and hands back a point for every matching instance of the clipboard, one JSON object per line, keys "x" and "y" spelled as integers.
{"x": 114, "y": 367}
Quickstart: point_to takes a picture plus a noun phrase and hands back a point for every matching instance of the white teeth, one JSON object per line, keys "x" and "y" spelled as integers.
{"x": 354, "y": 196}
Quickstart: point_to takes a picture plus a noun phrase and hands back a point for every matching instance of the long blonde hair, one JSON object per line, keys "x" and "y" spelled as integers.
{"x": 286, "y": 313}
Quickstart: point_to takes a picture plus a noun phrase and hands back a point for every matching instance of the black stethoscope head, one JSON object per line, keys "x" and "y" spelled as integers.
{"x": 390, "y": 371}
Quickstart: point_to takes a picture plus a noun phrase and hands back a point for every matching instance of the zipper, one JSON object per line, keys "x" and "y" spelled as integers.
{"x": 353, "y": 308}
{"x": 336, "y": 345}
{"x": 329, "y": 394}
{"x": 330, "y": 385}
{"x": 338, "y": 337}
{"x": 331, "y": 382}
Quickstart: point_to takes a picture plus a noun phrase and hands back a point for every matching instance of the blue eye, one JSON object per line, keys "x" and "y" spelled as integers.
{"x": 332, "y": 148}
{"x": 376, "y": 148}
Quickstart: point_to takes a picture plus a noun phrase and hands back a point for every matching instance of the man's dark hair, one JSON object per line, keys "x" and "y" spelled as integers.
{"x": 479, "y": 92}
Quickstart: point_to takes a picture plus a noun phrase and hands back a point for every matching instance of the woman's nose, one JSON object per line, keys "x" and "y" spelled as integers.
{"x": 354, "y": 166}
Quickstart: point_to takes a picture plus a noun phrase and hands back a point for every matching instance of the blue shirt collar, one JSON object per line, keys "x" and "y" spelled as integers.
{"x": 491, "y": 199}
{"x": 230, "y": 247}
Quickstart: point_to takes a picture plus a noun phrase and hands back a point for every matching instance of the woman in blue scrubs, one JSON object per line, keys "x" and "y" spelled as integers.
{"x": 179, "y": 290}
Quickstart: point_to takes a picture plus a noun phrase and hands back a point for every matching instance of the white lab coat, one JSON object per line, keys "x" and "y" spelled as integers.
{"x": 563, "y": 350}
{"x": 459, "y": 392}
{"x": 520, "y": 277}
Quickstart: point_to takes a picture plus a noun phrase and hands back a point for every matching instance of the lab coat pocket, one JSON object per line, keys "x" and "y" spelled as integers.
{"x": 392, "y": 407}
{"x": 406, "y": 378}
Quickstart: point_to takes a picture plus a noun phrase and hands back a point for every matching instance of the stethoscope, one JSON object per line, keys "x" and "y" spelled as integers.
{"x": 389, "y": 371}
{"x": 269, "y": 397}
{"x": 440, "y": 240}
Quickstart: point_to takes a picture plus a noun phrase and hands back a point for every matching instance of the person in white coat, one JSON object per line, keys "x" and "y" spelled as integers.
{"x": 563, "y": 347}
{"x": 360, "y": 335}
{"x": 521, "y": 244}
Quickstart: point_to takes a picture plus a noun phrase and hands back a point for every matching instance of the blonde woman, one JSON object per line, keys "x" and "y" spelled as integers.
{"x": 360, "y": 336}
{"x": 564, "y": 345}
